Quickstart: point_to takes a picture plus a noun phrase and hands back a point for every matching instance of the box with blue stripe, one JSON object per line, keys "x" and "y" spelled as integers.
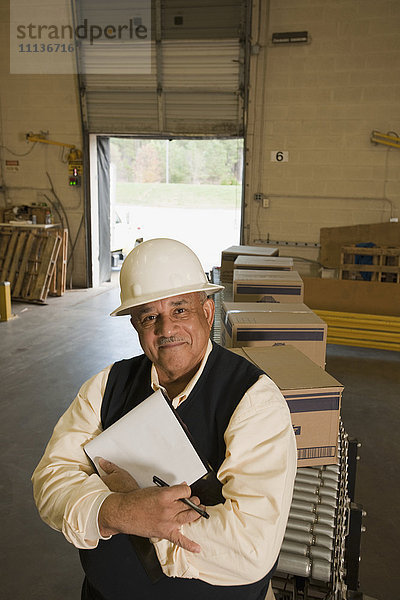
{"x": 267, "y": 286}
{"x": 228, "y": 308}
{"x": 274, "y": 327}
{"x": 229, "y": 255}
{"x": 313, "y": 397}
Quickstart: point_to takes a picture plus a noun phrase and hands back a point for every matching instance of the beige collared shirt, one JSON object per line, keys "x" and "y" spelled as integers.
{"x": 241, "y": 540}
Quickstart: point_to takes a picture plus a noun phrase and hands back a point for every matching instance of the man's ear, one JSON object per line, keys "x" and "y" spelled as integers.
{"x": 209, "y": 310}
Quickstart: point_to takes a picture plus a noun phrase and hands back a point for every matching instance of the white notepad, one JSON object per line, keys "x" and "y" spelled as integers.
{"x": 149, "y": 440}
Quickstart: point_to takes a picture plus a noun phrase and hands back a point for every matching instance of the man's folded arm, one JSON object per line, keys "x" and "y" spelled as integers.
{"x": 241, "y": 541}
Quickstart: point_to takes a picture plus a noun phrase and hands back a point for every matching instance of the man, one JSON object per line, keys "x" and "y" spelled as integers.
{"x": 238, "y": 420}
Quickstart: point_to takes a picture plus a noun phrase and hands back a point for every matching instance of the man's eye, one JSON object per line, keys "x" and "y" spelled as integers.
{"x": 148, "y": 319}
{"x": 180, "y": 311}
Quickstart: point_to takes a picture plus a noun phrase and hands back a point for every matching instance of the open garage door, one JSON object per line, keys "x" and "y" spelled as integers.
{"x": 188, "y": 79}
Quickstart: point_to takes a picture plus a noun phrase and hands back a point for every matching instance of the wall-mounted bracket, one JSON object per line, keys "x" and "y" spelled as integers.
{"x": 386, "y": 139}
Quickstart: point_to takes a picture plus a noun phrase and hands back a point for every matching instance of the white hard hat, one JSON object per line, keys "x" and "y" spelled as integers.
{"x": 158, "y": 269}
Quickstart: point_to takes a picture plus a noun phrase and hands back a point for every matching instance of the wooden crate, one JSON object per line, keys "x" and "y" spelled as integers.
{"x": 333, "y": 238}
{"x": 27, "y": 260}
{"x": 385, "y": 263}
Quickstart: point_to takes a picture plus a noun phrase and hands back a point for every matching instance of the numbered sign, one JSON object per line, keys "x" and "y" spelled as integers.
{"x": 279, "y": 156}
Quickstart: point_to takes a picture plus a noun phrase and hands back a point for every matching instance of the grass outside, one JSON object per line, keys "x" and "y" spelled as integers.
{"x": 179, "y": 195}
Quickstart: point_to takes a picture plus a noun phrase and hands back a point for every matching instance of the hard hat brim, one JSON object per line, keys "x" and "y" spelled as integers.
{"x": 125, "y": 307}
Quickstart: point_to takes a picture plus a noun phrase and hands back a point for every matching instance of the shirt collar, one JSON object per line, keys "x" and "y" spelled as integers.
{"x": 155, "y": 384}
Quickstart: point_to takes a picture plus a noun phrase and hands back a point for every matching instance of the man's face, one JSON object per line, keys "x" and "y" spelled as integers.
{"x": 174, "y": 333}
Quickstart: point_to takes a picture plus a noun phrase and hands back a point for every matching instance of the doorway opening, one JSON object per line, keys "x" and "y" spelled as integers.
{"x": 186, "y": 189}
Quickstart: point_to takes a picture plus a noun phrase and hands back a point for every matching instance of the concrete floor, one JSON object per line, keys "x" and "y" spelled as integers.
{"x": 49, "y": 351}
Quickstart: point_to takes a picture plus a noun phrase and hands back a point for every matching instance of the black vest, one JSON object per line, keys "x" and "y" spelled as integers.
{"x": 113, "y": 571}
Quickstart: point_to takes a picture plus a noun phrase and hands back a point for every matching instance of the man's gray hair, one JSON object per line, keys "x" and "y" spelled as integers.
{"x": 202, "y": 297}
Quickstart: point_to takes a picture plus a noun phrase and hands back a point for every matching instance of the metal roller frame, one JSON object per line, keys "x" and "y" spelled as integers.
{"x": 320, "y": 559}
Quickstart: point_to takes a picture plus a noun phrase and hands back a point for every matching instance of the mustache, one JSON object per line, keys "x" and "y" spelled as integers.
{"x": 163, "y": 341}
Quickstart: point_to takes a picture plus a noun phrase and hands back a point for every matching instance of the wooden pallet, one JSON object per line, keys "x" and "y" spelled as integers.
{"x": 28, "y": 261}
{"x": 59, "y": 280}
{"x": 385, "y": 263}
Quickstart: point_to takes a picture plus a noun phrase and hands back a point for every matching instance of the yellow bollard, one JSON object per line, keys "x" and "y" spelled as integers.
{"x": 5, "y": 301}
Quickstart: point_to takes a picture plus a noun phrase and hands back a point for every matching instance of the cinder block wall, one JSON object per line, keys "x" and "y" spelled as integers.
{"x": 34, "y": 103}
{"x": 320, "y": 102}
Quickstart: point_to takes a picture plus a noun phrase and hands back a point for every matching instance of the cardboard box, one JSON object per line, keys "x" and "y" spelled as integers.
{"x": 8, "y": 215}
{"x": 345, "y": 295}
{"x": 41, "y": 212}
{"x": 267, "y": 286}
{"x": 305, "y": 330}
{"x": 229, "y": 255}
{"x": 313, "y": 397}
{"x": 278, "y": 263}
{"x": 262, "y": 307}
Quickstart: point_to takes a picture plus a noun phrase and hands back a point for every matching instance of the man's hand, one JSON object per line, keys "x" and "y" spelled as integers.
{"x": 117, "y": 479}
{"x": 148, "y": 512}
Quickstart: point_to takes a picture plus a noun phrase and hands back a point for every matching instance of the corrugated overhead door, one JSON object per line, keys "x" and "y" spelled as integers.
{"x": 186, "y": 79}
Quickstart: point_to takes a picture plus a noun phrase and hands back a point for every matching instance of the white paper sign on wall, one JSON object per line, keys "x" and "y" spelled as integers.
{"x": 279, "y": 156}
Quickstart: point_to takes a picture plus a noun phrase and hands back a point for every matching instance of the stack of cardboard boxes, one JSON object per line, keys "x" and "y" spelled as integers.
{"x": 268, "y": 324}
{"x": 229, "y": 256}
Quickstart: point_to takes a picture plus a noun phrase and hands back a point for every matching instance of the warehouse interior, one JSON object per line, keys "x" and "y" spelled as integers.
{"x": 313, "y": 89}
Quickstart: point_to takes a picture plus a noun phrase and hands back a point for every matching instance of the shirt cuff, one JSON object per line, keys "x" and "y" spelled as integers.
{"x": 173, "y": 563}
{"x": 92, "y": 527}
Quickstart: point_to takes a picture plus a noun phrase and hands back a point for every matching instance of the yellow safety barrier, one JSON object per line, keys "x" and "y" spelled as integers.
{"x": 356, "y": 329}
{"x": 5, "y": 300}
{"x": 363, "y": 344}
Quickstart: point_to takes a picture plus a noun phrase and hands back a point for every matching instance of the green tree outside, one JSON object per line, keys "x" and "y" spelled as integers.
{"x": 215, "y": 161}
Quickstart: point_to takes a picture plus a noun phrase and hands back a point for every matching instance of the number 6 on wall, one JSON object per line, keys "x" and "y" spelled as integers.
{"x": 279, "y": 156}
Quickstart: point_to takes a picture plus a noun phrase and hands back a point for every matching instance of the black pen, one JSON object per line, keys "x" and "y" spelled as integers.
{"x": 199, "y": 510}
